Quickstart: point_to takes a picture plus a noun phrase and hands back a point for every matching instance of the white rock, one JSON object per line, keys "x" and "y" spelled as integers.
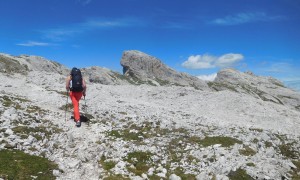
{"x": 74, "y": 164}
{"x": 202, "y": 176}
{"x": 151, "y": 171}
{"x": 174, "y": 177}
{"x": 30, "y": 140}
{"x": 161, "y": 175}
{"x": 292, "y": 165}
{"x": 9, "y": 132}
{"x": 221, "y": 177}
{"x": 217, "y": 146}
{"x": 56, "y": 172}
{"x": 144, "y": 176}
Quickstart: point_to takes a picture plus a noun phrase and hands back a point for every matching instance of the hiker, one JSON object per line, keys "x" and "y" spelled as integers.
{"x": 77, "y": 86}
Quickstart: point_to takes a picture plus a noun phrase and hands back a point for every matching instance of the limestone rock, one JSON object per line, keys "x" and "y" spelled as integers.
{"x": 143, "y": 68}
{"x": 264, "y": 88}
{"x": 24, "y": 63}
{"x": 174, "y": 177}
{"x": 103, "y": 76}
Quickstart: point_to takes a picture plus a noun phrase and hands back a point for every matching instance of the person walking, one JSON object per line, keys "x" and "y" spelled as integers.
{"x": 77, "y": 87}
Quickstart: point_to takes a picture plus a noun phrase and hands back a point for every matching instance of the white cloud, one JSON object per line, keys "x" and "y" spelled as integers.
{"x": 228, "y": 60}
{"x": 280, "y": 67}
{"x": 34, "y": 43}
{"x": 84, "y": 2}
{"x": 58, "y": 34}
{"x": 242, "y": 18}
{"x": 209, "y": 61}
{"x": 210, "y": 77}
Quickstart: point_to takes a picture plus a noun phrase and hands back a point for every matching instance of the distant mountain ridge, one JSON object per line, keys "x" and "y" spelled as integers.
{"x": 239, "y": 124}
{"x": 140, "y": 68}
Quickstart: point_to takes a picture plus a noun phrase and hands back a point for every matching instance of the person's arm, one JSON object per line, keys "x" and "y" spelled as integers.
{"x": 68, "y": 79}
{"x": 84, "y": 87}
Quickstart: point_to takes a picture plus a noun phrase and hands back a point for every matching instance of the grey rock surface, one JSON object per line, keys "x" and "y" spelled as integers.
{"x": 143, "y": 68}
{"x": 103, "y": 76}
{"x": 25, "y": 63}
{"x": 264, "y": 88}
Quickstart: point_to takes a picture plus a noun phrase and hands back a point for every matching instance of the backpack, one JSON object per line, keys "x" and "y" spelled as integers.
{"x": 76, "y": 80}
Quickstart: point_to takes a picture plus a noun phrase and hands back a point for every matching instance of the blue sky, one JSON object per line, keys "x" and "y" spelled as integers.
{"x": 193, "y": 36}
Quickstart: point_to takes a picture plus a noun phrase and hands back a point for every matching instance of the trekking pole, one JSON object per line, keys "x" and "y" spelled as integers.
{"x": 66, "y": 107}
{"x": 85, "y": 107}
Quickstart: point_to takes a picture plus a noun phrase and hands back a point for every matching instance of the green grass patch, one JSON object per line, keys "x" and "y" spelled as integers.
{"x": 8, "y": 101}
{"x": 162, "y": 82}
{"x": 256, "y": 129}
{"x": 18, "y": 165}
{"x": 114, "y": 133}
{"x": 180, "y": 172}
{"x": 139, "y": 132}
{"x": 239, "y": 174}
{"x": 26, "y": 130}
{"x": 34, "y": 109}
{"x": 224, "y": 141}
{"x": 268, "y": 144}
{"x": 116, "y": 177}
{"x": 247, "y": 151}
{"x": 288, "y": 151}
{"x": 218, "y": 86}
{"x": 140, "y": 160}
{"x": 107, "y": 165}
{"x": 251, "y": 164}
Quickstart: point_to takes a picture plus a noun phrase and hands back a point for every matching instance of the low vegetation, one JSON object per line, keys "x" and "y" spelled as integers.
{"x": 18, "y": 165}
{"x": 247, "y": 151}
{"x": 10, "y": 66}
{"x": 140, "y": 160}
{"x": 239, "y": 174}
{"x": 106, "y": 164}
{"x": 224, "y": 141}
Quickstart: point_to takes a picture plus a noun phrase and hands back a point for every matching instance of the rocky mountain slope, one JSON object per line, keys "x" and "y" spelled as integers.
{"x": 143, "y": 68}
{"x": 264, "y": 88}
{"x": 150, "y": 132}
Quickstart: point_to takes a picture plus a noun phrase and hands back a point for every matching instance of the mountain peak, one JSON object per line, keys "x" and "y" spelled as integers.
{"x": 143, "y": 68}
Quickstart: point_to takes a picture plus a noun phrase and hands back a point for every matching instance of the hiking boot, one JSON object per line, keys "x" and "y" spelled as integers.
{"x": 78, "y": 123}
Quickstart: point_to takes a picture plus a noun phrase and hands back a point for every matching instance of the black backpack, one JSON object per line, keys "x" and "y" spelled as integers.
{"x": 76, "y": 80}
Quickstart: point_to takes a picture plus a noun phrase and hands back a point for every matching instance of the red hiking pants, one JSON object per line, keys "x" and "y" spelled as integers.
{"x": 75, "y": 97}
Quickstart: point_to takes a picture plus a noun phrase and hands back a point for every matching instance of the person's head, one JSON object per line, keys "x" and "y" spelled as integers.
{"x": 74, "y": 69}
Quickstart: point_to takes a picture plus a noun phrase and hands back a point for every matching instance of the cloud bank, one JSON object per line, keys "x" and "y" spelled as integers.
{"x": 208, "y": 61}
{"x": 243, "y": 18}
{"x": 34, "y": 43}
{"x": 61, "y": 33}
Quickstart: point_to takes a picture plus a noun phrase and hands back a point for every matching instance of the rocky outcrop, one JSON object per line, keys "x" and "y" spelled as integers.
{"x": 103, "y": 76}
{"x": 143, "y": 68}
{"x": 9, "y": 65}
{"x": 265, "y": 88}
{"x": 25, "y": 63}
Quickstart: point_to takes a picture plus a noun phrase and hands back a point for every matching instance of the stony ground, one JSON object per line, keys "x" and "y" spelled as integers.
{"x": 146, "y": 132}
